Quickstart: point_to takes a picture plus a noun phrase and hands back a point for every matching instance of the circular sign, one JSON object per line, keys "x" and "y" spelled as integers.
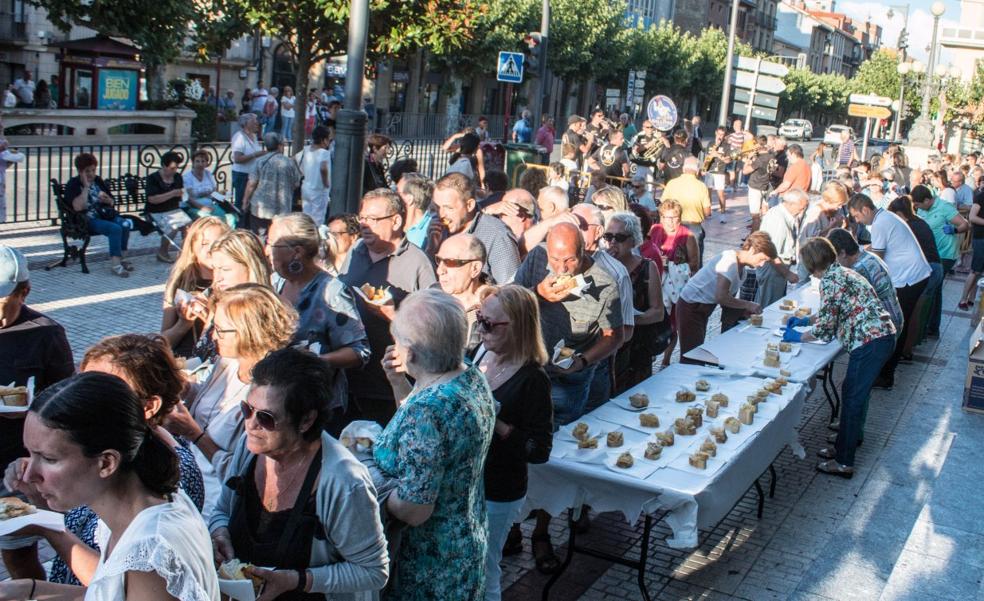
{"x": 662, "y": 112}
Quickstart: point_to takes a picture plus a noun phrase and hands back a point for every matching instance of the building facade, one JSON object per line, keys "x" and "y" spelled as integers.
{"x": 966, "y": 42}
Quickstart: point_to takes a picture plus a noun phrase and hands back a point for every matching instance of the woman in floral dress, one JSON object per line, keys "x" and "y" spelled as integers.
{"x": 435, "y": 446}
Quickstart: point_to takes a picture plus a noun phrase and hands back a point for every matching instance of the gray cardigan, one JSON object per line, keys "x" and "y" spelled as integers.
{"x": 352, "y": 563}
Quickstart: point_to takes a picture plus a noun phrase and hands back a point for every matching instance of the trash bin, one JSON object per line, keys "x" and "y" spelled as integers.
{"x": 518, "y": 158}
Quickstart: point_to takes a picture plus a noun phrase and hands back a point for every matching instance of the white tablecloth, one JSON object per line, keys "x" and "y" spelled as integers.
{"x": 742, "y": 347}
{"x": 693, "y": 499}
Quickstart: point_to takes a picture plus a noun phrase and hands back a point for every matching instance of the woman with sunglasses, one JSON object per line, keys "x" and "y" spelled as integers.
{"x": 90, "y": 444}
{"x": 675, "y": 249}
{"x": 249, "y": 322}
{"x": 512, "y": 357}
{"x": 300, "y": 504}
{"x": 148, "y": 367}
{"x": 634, "y": 361}
{"x": 435, "y": 448}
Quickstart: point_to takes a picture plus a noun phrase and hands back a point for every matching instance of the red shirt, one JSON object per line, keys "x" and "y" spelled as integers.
{"x": 798, "y": 175}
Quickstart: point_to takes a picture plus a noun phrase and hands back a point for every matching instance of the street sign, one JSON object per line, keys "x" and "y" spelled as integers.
{"x": 745, "y": 63}
{"x": 510, "y": 68}
{"x": 865, "y": 110}
{"x": 871, "y": 100}
{"x": 758, "y": 112}
{"x": 662, "y": 112}
{"x": 763, "y": 83}
{"x": 766, "y": 100}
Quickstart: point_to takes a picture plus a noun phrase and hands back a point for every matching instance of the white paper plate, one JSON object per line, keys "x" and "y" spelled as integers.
{"x": 241, "y": 590}
{"x": 42, "y": 517}
{"x": 13, "y": 410}
{"x": 387, "y": 297}
{"x": 587, "y": 455}
{"x": 682, "y": 463}
{"x": 640, "y": 469}
{"x": 555, "y": 358}
{"x": 595, "y": 428}
{"x": 624, "y": 403}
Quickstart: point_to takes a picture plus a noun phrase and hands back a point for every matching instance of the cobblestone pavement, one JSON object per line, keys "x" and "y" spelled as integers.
{"x": 910, "y": 524}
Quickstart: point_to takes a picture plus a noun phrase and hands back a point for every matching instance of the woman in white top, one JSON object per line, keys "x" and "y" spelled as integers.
{"x": 245, "y": 149}
{"x": 315, "y": 163}
{"x": 287, "y": 114}
{"x": 248, "y": 322}
{"x": 90, "y": 444}
{"x": 199, "y": 185}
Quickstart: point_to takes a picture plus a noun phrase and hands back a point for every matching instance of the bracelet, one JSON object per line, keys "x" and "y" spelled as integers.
{"x": 199, "y": 437}
{"x": 34, "y": 584}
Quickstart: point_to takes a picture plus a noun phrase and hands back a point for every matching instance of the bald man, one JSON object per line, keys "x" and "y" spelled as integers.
{"x": 459, "y": 273}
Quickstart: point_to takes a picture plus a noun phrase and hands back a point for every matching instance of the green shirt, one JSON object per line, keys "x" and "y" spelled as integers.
{"x": 940, "y": 214}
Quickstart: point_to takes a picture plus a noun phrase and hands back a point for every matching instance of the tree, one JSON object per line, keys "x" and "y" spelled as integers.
{"x": 315, "y": 30}
{"x": 157, "y": 27}
{"x": 879, "y": 75}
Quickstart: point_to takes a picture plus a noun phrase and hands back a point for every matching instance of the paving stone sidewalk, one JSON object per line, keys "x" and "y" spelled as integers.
{"x": 910, "y": 525}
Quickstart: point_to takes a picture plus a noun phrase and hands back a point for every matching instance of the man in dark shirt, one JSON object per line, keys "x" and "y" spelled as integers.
{"x": 671, "y": 162}
{"x": 383, "y": 258}
{"x": 611, "y": 157}
{"x": 598, "y": 130}
{"x": 777, "y": 145}
{"x": 31, "y": 346}
{"x": 717, "y": 160}
{"x": 575, "y": 139}
{"x": 756, "y": 167}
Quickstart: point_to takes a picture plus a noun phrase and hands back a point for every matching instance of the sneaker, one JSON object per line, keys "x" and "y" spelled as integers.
{"x": 883, "y": 383}
{"x": 120, "y": 271}
{"x": 165, "y": 258}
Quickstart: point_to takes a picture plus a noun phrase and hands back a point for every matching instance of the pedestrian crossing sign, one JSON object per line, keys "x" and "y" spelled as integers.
{"x": 510, "y": 67}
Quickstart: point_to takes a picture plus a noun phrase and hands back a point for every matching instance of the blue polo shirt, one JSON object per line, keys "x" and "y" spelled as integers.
{"x": 417, "y": 234}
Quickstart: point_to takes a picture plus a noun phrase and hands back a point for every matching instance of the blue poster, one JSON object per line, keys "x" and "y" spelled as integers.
{"x": 117, "y": 90}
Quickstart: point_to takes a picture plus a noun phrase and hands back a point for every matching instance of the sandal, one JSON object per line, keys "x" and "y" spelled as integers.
{"x": 126, "y": 265}
{"x": 963, "y": 306}
{"x": 835, "y": 469}
{"x": 514, "y": 542}
{"x": 543, "y": 553}
{"x": 120, "y": 271}
{"x": 827, "y": 453}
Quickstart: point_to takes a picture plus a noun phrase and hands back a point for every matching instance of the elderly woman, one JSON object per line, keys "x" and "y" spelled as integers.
{"x": 634, "y": 361}
{"x": 459, "y": 272}
{"x": 343, "y": 233}
{"x": 245, "y": 148}
{"x": 91, "y": 446}
{"x": 270, "y": 191}
{"x": 435, "y": 446}
{"x": 192, "y": 273}
{"x": 199, "y": 184}
{"x": 146, "y": 364}
{"x": 851, "y": 312}
{"x": 249, "y": 322}
{"x": 675, "y": 249}
{"x": 610, "y": 200}
{"x": 512, "y": 357}
{"x": 329, "y": 322}
{"x": 301, "y": 505}
{"x": 88, "y": 194}
{"x": 165, "y": 190}
{"x": 717, "y": 283}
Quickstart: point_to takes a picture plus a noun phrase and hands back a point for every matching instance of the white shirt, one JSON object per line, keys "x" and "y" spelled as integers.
{"x": 618, "y": 271}
{"x": 24, "y": 90}
{"x": 702, "y": 287}
{"x": 948, "y": 195}
{"x": 287, "y": 113}
{"x": 170, "y": 540}
{"x": 311, "y": 161}
{"x": 199, "y": 189}
{"x": 259, "y": 100}
{"x": 9, "y": 99}
{"x": 891, "y": 237}
{"x": 244, "y": 144}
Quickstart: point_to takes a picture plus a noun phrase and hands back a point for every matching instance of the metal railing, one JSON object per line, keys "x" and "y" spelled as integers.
{"x": 28, "y": 189}
{"x": 433, "y": 125}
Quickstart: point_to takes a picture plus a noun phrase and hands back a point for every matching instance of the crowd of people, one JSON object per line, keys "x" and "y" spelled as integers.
{"x": 350, "y": 402}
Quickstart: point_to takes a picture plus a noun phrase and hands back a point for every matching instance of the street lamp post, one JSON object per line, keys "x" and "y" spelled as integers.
{"x": 350, "y": 123}
{"x": 726, "y": 89}
{"x": 922, "y": 131}
{"x": 903, "y": 67}
{"x": 903, "y": 70}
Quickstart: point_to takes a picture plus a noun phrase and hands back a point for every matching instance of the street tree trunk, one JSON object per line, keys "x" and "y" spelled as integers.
{"x": 454, "y": 104}
{"x": 305, "y": 43}
{"x": 155, "y": 82}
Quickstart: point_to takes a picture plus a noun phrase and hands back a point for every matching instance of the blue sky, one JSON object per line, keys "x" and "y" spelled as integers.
{"x": 920, "y": 21}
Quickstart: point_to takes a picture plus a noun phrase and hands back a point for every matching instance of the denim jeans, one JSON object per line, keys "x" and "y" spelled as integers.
{"x": 601, "y": 386}
{"x": 936, "y": 283}
{"x": 501, "y": 517}
{"x": 569, "y": 393}
{"x": 116, "y": 231}
{"x": 908, "y": 298}
{"x": 697, "y": 230}
{"x": 287, "y": 129}
{"x": 863, "y": 366}
{"x": 239, "y": 181}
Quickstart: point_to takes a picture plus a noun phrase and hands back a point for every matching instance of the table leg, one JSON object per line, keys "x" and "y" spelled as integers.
{"x": 761, "y": 498}
{"x": 824, "y": 378}
{"x": 644, "y": 555}
{"x": 572, "y": 533}
{"x": 833, "y": 387}
{"x": 772, "y": 483}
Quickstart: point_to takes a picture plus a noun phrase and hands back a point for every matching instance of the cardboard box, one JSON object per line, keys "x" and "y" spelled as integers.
{"x": 973, "y": 399}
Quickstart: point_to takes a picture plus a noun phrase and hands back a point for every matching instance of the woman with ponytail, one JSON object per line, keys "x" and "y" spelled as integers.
{"x": 90, "y": 444}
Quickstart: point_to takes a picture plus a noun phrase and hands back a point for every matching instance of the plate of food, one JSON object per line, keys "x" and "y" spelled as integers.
{"x": 563, "y": 356}
{"x": 377, "y": 295}
{"x": 638, "y": 401}
{"x": 703, "y": 459}
{"x": 16, "y": 514}
{"x": 236, "y": 583}
{"x": 584, "y": 431}
{"x": 574, "y": 284}
{"x": 16, "y": 399}
{"x": 626, "y": 462}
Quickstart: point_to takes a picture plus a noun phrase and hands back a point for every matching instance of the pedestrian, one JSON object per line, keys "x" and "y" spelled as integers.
{"x": 976, "y": 218}
{"x": 756, "y": 168}
{"x": 245, "y": 149}
{"x": 87, "y": 193}
{"x": 545, "y": 137}
{"x": 8, "y": 156}
{"x": 374, "y": 176}
{"x": 287, "y": 114}
{"x": 782, "y": 224}
{"x": 271, "y": 111}
{"x": 694, "y": 199}
{"x": 847, "y": 154}
{"x": 522, "y": 131}
{"x": 270, "y": 191}
{"x": 24, "y": 90}
{"x": 315, "y": 164}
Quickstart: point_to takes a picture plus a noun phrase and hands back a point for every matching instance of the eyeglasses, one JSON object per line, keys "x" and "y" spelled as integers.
{"x": 374, "y": 219}
{"x": 339, "y": 232}
{"x": 449, "y": 262}
{"x": 220, "y": 332}
{"x": 602, "y": 208}
{"x": 264, "y": 418}
{"x": 486, "y": 324}
{"x": 612, "y": 237}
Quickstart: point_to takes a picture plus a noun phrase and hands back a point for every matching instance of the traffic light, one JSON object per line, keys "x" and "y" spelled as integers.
{"x": 903, "y": 40}
{"x": 532, "y": 52}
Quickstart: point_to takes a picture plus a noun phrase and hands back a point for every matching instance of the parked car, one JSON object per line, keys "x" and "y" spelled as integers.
{"x": 796, "y": 129}
{"x": 832, "y": 134}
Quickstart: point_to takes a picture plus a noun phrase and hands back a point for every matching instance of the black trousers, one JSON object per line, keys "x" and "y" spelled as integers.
{"x": 908, "y": 297}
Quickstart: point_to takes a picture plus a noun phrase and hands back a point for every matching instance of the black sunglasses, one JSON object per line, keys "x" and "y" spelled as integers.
{"x": 264, "y": 418}
{"x": 610, "y": 237}
{"x": 486, "y": 324}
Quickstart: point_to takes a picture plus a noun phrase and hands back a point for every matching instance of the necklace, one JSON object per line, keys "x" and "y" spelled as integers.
{"x": 289, "y": 483}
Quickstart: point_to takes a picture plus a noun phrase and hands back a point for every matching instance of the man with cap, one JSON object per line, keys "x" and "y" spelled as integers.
{"x": 575, "y": 138}
{"x": 31, "y": 346}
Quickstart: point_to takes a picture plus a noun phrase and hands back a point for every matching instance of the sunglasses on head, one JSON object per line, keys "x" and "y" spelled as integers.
{"x": 486, "y": 324}
{"x": 612, "y": 237}
{"x": 264, "y": 418}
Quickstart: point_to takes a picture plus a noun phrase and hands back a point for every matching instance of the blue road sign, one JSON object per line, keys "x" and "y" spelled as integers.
{"x": 510, "y": 67}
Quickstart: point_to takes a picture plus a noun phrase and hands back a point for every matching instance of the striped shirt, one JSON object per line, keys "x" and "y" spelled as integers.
{"x": 501, "y": 250}
{"x": 736, "y": 139}
{"x": 845, "y": 154}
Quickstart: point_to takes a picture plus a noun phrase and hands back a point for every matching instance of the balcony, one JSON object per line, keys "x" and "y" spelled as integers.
{"x": 963, "y": 38}
{"x": 765, "y": 21}
{"x": 12, "y": 31}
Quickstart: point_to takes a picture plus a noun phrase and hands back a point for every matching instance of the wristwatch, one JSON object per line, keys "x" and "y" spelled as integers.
{"x": 301, "y": 581}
